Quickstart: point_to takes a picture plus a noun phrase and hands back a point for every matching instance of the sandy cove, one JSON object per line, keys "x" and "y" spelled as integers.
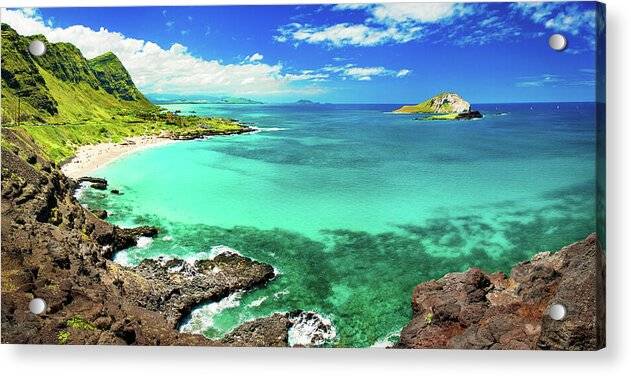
{"x": 92, "y": 157}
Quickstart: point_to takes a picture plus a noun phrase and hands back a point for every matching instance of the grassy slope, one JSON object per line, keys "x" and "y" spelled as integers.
{"x": 423, "y": 107}
{"x": 426, "y": 107}
{"x": 114, "y": 78}
{"x": 88, "y": 116}
{"x": 68, "y": 101}
{"x": 452, "y": 116}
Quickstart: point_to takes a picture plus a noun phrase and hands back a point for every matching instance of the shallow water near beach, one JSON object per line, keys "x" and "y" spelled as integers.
{"x": 354, "y": 206}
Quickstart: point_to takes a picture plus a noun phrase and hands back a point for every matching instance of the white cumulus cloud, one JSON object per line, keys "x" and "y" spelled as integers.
{"x": 345, "y": 34}
{"x": 560, "y": 16}
{"x": 155, "y": 69}
{"x": 254, "y": 57}
{"x": 386, "y": 23}
{"x": 354, "y": 72}
{"x": 403, "y": 72}
{"x": 416, "y": 12}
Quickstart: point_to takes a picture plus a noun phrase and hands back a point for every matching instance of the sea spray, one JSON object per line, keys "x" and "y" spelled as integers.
{"x": 144, "y": 242}
{"x": 80, "y": 190}
{"x": 257, "y": 302}
{"x": 388, "y": 341}
{"x": 202, "y": 317}
{"x": 222, "y": 249}
{"x": 122, "y": 258}
{"x": 310, "y": 329}
{"x": 269, "y": 129}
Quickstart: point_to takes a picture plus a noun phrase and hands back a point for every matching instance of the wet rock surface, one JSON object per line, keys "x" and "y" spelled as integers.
{"x": 99, "y": 213}
{"x": 475, "y": 310}
{"x": 178, "y": 286}
{"x": 54, "y": 249}
{"x": 469, "y": 115}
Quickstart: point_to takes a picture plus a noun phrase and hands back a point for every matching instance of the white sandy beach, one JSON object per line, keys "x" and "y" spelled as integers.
{"x": 92, "y": 157}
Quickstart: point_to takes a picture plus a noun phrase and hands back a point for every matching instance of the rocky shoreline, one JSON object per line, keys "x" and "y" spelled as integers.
{"x": 476, "y": 310}
{"x": 54, "y": 249}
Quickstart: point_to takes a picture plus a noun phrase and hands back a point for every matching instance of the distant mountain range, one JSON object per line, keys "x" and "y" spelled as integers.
{"x": 197, "y": 99}
{"x": 305, "y": 101}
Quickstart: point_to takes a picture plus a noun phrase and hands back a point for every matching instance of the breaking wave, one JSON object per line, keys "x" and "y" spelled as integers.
{"x": 202, "y": 317}
{"x": 310, "y": 329}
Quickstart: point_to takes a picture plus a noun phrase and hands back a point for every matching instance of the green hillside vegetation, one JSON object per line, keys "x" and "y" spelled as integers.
{"x": 423, "y": 107}
{"x": 452, "y": 116}
{"x": 62, "y": 100}
{"x": 114, "y": 78}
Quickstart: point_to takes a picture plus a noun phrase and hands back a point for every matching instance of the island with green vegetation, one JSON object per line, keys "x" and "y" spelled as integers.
{"x": 444, "y": 106}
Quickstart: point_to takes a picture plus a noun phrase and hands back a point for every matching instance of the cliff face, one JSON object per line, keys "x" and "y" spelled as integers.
{"x": 475, "y": 310}
{"x": 114, "y": 78}
{"x": 54, "y": 249}
{"x": 61, "y": 85}
{"x": 444, "y": 103}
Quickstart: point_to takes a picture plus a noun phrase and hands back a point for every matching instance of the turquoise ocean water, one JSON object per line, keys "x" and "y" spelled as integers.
{"x": 354, "y": 206}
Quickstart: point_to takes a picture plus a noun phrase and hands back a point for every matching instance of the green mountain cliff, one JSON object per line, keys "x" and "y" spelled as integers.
{"x": 61, "y": 100}
{"x": 62, "y": 86}
{"x": 114, "y": 79}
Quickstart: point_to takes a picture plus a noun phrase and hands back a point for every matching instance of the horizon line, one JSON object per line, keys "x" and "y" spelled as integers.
{"x": 392, "y": 103}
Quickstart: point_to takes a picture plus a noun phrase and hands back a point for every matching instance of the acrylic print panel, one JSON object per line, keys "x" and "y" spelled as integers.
{"x": 422, "y": 175}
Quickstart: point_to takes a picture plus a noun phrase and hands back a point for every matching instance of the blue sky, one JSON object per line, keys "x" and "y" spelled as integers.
{"x": 384, "y": 53}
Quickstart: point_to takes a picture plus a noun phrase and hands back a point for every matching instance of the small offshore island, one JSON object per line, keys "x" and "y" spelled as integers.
{"x": 75, "y": 114}
{"x": 444, "y": 106}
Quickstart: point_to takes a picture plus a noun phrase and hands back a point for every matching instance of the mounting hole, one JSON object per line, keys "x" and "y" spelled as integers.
{"x": 37, "y": 48}
{"x": 557, "y": 312}
{"x": 557, "y": 42}
{"x": 37, "y": 306}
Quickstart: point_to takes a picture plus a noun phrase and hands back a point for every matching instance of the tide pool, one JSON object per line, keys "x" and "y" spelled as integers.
{"x": 355, "y": 206}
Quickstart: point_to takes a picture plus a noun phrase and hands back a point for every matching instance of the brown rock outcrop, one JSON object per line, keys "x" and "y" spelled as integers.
{"x": 475, "y": 310}
{"x": 54, "y": 249}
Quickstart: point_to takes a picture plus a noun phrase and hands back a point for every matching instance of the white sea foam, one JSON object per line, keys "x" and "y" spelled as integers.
{"x": 144, "y": 242}
{"x": 222, "y": 249}
{"x": 281, "y": 293}
{"x": 122, "y": 258}
{"x": 202, "y": 317}
{"x": 208, "y": 255}
{"x": 310, "y": 329}
{"x": 270, "y": 129}
{"x": 257, "y": 302}
{"x": 167, "y": 238}
{"x": 78, "y": 193}
{"x": 389, "y": 340}
{"x": 191, "y": 258}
